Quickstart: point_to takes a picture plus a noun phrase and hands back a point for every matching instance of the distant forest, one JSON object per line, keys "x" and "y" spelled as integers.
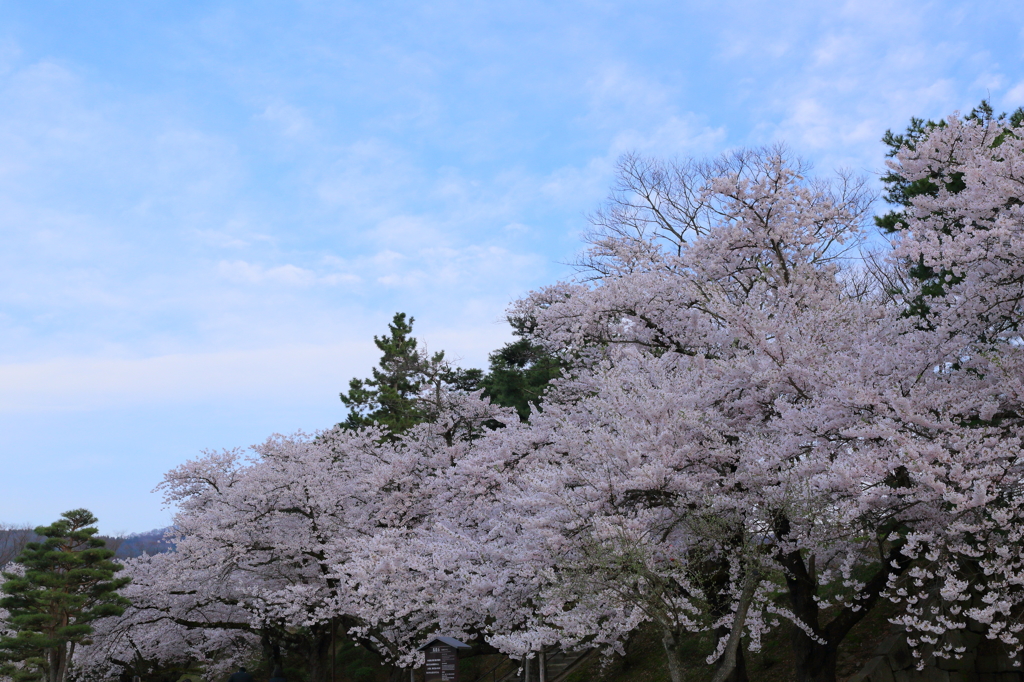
{"x": 13, "y": 540}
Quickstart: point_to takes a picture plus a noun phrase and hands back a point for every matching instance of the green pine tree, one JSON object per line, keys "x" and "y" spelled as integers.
{"x": 62, "y": 585}
{"x": 519, "y": 376}
{"x": 520, "y": 371}
{"x": 398, "y": 396}
{"x": 400, "y": 393}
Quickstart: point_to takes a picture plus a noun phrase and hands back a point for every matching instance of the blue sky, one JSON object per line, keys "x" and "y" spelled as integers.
{"x": 207, "y": 210}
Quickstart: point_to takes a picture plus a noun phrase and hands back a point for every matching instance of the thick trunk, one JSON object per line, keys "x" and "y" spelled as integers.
{"x": 673, "y": 655}
{"x": 318, "y": 658}
{"x": 716, "y": 586}
{"x": 52, "y": 665}
{"x": 815, "y": 662}
{"x": 815, "y": 658}
{"x": 271, "y": 651}
{"x": 730, "y": 670}
{"x": 737, "y": 672}
{"x": 57, "y": 659}
{"x": 67, "y": 661}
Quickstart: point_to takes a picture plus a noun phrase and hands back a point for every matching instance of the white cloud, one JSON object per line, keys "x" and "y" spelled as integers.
{"x": 673, "y": 136}
{"x": 989, "y": 81}
{"x": 222, "y": 239}
{"x": 291, "y": 120}
{"x": 10, "y": 52}
{"x": 371, "y": 181}
{"x": 834, "y": 48}
{"x": 866, "y": 74}
{"x": 340, "y": 278}
{"x": 618, "y": 87}
{"x": 410, "y": 232}
{"x": 96, "y": 383}
{"x": 251, "y": 273}
{"x": 1014, "y": 97}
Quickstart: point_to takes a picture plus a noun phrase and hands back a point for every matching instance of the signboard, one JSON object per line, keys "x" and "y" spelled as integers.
{"x": 442, "y": 658}
{"x": 442, "y": 663}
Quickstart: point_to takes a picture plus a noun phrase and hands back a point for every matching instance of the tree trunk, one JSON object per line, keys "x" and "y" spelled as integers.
{"x": 52, "y": 664}
{"x": 673, "y": 655}
{"x": 815, "y": 658}
{"x": 738, "y": 672}
{"x": 716, "y": 586}
{"x": 271, "y": 651}
{"x": 815, "y": 662}
{"x": 732, "y": 667}
{"x": 318, "y": 658}
{"x": 57, "y": 657}
{"x": 67, "y": 661}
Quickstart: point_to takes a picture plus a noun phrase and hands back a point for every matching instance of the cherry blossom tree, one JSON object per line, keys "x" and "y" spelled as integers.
{"x": 259, "y": 534}
{"x": 408, "y": 497}
{"x": 715, "y": 422}
{"x": 292, "y": 543}
{"x": 150, "y": 636}
{"x": 964, "y": 239}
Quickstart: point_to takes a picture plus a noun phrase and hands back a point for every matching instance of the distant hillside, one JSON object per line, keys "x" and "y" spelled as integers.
{"x": 13, "y": 540}
{"x": 137, "y": 544}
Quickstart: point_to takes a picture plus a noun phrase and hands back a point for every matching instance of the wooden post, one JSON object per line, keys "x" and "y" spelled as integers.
{"x": 542, "y": 672}
{"x": 526, "y": 672}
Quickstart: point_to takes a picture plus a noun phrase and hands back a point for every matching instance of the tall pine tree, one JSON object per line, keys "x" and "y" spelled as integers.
{"x": 58, "y": 588}
{"x": 397, "y": 397}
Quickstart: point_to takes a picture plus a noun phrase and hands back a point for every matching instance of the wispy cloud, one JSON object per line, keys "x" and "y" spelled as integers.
{"x": 88, "y": 384}
{"x": 250, "y": 273}
{"x": 863, "y": 67}
{"x": 291, "y": 121}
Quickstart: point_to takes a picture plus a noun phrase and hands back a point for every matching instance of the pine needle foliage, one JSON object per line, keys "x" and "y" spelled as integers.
{"x": 398, "y": 395}
{"x": 53, "y": 593}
